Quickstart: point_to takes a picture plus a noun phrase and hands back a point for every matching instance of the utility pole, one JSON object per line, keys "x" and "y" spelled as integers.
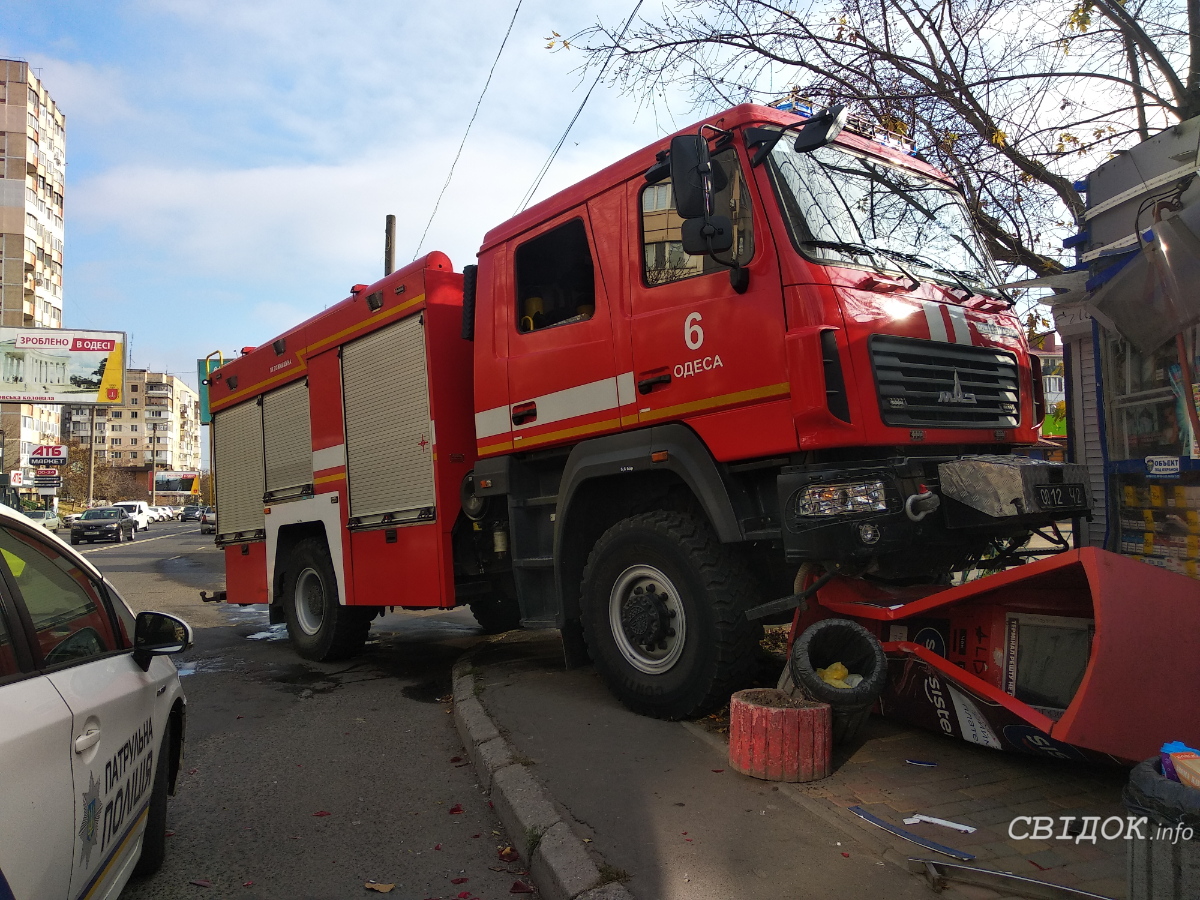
{"x": 91, "y": 456}
{"x": 389, "y": 245}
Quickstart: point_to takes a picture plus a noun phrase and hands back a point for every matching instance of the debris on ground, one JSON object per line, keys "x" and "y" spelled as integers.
{"x": 909, "y": 836}
{"x": 934, "y": 820}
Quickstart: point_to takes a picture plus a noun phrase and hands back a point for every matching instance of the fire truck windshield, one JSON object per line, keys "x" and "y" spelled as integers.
{"x": 847, "y": 208}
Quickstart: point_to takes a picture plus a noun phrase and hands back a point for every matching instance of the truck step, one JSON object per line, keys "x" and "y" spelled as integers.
{"x": 547, "y": 500}
{"x": 534, "y": 562}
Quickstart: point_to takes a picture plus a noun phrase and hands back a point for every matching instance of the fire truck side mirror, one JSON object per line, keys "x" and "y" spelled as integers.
{"x": 706, "y": 236}
{"x": 821, "y": 129}
{"x": 691, "y": 176}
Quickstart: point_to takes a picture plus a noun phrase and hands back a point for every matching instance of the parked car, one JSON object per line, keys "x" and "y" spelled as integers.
{"x": 139, "y": 510}
{"x": 47, "y": 518}
{"x": 208, "y": 520}
{"x": 93, "y": 715}
{"x": 107, "y": 523}
{"x": 191, "y": 514}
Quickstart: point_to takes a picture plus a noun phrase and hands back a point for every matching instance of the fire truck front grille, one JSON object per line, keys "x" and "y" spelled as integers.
{"x": 938, "y": 385}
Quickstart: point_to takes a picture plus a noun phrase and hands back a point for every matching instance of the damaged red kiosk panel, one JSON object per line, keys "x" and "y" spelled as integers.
{"x": 1049, "y": 657}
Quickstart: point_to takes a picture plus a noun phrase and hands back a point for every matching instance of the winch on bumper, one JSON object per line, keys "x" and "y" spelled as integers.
{"x": 916, "y": 517}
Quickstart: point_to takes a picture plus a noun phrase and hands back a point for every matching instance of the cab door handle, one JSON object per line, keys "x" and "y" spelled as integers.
{"x": 646, "y": 385}
{"x": 523, "y": 412}
{"x": 87, "y": 740}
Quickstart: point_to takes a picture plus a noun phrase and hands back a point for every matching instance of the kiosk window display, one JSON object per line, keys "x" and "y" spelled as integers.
{"x": 1154, "y": 459}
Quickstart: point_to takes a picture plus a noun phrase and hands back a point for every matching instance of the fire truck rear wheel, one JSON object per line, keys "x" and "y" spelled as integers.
{"x": 320, "y": 628}
{"x": 663, "y": 604}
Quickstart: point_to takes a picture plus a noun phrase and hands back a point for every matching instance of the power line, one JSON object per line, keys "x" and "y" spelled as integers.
{"x": 478, "y": 103}
{"x": 562, "y": 140}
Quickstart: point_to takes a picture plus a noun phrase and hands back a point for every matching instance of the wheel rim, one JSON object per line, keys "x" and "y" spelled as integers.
{"x": 310, "y": 601}
{"x": 647, "y": 619}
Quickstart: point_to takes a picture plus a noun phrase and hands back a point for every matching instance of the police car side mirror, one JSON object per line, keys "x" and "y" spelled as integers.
{"x": 158, "y": 634}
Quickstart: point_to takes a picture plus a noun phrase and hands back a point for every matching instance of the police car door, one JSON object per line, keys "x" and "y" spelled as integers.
{"x": 36, "y": 803}
{"x": 113, "y": 742}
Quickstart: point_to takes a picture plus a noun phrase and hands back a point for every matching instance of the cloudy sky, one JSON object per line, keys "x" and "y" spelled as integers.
{"x": 230, "y": 164}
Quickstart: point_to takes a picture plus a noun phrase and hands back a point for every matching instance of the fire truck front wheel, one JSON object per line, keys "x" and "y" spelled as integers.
{"x": 320, "y": 628}
{"x": 662, "y": 614}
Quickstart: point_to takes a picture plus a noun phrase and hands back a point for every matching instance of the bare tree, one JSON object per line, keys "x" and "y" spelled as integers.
{"x": 1013, "y": 98}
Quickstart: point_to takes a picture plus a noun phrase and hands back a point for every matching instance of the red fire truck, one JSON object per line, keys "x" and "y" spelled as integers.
{"x": 766, "y": 342}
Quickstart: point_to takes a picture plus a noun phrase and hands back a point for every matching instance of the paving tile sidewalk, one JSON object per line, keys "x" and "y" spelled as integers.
{"x": 985, "y": 788}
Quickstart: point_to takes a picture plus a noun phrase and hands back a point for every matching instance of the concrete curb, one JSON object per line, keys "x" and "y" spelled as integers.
{"x": 559, "y": 863}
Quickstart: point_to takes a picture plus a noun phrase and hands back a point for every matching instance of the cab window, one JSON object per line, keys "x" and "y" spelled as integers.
{"x": 68, "y": 613}
{"x": 556, "y": 280}
{"x": 663, "y": 259}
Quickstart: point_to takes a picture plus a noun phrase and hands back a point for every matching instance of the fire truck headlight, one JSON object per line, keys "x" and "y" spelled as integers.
{"x": 841, "y": 499}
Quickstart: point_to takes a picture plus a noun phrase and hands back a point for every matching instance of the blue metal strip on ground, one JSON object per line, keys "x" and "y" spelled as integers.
{"x": 909, "y": 836}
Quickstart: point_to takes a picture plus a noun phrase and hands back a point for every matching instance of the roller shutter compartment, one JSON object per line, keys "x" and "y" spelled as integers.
{"x": 389, "y": 436}
{"x": 238, "y": 452}
{"x": 287, "y": 442}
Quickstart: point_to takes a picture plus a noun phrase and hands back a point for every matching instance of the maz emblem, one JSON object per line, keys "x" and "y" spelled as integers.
{"x": 957, "y": 395}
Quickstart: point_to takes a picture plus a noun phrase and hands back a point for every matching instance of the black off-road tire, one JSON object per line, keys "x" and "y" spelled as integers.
{"x": 708, "y": 586}
{"x": 323, "y": 630}
{"x": 496, "y": 612}
{"x": 154, "y": 839}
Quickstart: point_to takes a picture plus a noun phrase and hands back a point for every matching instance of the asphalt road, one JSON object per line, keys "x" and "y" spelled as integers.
{"x": 303, "y": 780}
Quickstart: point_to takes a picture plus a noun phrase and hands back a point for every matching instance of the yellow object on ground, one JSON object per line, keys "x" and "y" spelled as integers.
{"x": 833, "y": 675}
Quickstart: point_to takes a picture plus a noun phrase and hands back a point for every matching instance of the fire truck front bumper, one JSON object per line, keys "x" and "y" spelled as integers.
{"x": 914, "y": 517}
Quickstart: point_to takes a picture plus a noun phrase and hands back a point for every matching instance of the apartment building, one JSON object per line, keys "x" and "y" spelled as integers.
{"x": 158, "y": 424}
{"x": 32, "y": 169}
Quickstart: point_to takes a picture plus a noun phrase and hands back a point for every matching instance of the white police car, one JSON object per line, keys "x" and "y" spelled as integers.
{"x": 91, "y": 723}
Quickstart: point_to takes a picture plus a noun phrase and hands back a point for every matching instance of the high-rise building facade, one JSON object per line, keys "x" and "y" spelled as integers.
{"x": 32, "y": 166}
{"x": 159, "y": 423}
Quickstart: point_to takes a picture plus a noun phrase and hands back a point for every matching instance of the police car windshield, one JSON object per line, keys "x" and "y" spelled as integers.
{"x": 846, "y": 207}
{"x": 101, "y": 514}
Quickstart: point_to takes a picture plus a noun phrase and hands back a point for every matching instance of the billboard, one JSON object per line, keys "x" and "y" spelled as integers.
{"x": 177, "y": 482}
{"x": 54, "y": 365}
